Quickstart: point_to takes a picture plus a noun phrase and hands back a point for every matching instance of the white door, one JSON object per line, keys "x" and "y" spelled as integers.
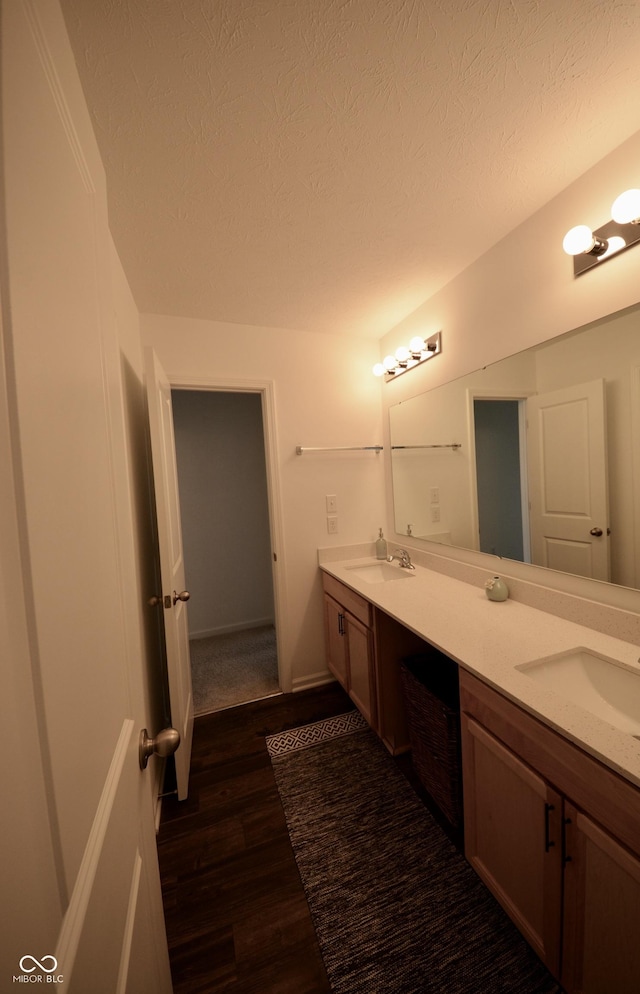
{"x": 568, "y": 480}
{"x": 81, "y": 885}
{"x": 173, "y": 594}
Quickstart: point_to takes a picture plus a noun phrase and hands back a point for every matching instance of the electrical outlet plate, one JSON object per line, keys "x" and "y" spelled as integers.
{"x": 332, "y": 525}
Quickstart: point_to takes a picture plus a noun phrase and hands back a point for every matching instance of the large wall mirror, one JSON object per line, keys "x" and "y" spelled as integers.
{"x": 535, "y": 458}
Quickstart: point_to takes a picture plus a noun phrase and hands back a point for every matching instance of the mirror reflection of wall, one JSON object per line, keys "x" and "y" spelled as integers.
{"x": 532, "y": 492}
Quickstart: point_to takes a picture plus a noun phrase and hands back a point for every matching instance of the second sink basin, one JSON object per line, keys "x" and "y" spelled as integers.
{"x": 602, "y": 686}
{"x": 382, "y": 572}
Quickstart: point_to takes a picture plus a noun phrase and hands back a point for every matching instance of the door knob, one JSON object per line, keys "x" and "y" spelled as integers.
{"x": 184, "y": 596}
{"x": 165, "y": 744}
{"x": 597, "y": 532}
{"x": 158, "y": 600}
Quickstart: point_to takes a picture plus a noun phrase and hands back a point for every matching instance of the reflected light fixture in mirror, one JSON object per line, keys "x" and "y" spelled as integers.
{"x": 588, "y": 247}
{"x": 405, "y": 358}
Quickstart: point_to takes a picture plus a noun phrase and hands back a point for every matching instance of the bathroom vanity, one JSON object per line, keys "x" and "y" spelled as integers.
{"x": 364, "y": 649}
{"x": 551, "y": 789}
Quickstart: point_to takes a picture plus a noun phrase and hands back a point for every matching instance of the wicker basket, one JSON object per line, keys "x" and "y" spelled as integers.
{"x": 434, "y": 733}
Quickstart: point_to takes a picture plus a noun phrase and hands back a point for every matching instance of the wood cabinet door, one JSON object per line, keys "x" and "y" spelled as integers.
{"x": 361, "y": 668}
{"x": 601, "y": 950}
{"x": 513, "y": 834}
{"x": 336, "y": 640}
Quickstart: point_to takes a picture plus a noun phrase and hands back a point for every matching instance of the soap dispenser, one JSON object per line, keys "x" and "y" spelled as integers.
{"x": 381, "y": 546}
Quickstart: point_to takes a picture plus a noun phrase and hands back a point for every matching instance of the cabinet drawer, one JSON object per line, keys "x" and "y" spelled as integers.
{"x": 354, "y": 603}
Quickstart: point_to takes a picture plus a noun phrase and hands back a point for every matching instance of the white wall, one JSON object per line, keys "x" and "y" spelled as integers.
{"x": 224, "y": 510}
{"x": 324, "y": 395}
{"x": 519, "y": 293}
{"x": 28, "y": 878}
{"x": 70, "y": 618}
{"x": 522, "y": 291}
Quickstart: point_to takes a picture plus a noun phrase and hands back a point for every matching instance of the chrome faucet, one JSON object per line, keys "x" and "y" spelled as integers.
{"x": 404, "y": 557}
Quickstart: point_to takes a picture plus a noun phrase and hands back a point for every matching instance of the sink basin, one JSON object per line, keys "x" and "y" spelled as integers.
{"x": 602, "y": 686}
{"x": 380, "y": 572}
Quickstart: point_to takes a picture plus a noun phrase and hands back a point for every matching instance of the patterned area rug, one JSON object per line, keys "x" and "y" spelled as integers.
{"x": 233, "y": 668}
{"x": 397, "y": 909}
{"x": 310, "y": 735}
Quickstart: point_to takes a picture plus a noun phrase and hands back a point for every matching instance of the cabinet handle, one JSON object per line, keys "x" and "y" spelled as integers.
{"x": 548, "y": 841}
{"x": 340, "y": 624}
{"x": 565, "y": 858}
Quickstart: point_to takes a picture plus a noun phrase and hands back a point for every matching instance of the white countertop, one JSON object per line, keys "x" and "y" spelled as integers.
{"x": 490, "y": 638}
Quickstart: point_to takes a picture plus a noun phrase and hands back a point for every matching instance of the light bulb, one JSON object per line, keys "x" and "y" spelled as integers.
{"x": 402, "y": 353}
{"x": 417, "y": 344}
{"x": 578, "y": 240}
{"x": 389, "y": 363}
{"x": 626, "y": 208}
{"x": 378, "y": 369}
{"x": 614, "y": 245}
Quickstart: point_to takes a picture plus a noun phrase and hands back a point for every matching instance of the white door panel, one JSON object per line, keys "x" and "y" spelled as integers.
{"x": 568, "y": 480}
{"x": 568, "y": 557}
{"x": 165, "y": 476}
{"x": 104, "y": 879}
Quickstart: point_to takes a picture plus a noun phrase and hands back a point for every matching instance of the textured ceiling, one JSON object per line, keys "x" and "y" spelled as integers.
{"x": 328, "y": 165}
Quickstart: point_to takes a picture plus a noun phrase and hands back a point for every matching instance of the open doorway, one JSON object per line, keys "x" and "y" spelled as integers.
{"x": 500, "y": 470}
{"x": 224, "y": 506}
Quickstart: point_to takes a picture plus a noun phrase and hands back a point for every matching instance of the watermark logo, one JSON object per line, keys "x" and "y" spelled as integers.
{"x": 38, "y": 971}
{"x": 38, "y": 964}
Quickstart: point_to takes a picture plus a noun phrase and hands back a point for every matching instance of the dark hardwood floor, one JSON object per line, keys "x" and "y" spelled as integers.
{"x": 237, "y": 918}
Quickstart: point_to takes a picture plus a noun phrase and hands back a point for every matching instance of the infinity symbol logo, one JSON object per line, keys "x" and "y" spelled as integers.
{"x": 38, "y": 963}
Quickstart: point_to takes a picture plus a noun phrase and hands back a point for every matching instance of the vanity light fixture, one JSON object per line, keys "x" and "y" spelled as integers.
{"x": 418, "y": 351}
{"x": 588, "y": 247}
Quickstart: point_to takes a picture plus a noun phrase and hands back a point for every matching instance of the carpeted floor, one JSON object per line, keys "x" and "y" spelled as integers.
{"x": 397, "y": 909}
{"x": 234, "y": 668}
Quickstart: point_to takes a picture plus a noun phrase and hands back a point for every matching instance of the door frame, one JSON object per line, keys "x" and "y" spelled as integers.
{"x": 635, "y": 468}
{"x": 521, "y": 396}
{"x": 266, "y": 389}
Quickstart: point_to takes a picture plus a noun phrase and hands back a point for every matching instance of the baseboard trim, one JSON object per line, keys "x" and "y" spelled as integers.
{"x": 229, "y": 629}
{"x": 315, "y": 680}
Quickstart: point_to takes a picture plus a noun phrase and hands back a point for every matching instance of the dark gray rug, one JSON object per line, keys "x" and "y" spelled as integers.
{"x": 397, "y": 909}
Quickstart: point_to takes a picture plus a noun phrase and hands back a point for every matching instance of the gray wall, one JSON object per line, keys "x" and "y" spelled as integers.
{"x": 224, "y": 509}
{"x": 497, "y": 438}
